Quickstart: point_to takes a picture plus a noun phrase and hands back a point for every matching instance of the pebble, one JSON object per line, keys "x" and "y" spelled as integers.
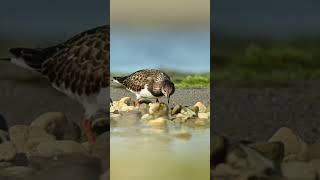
{"x": 293, "y": 144}
{"x": 158, "y": 123}
{"x": 298, "y": 170}
{"x": 57, "y": 124}
{"x": 7, "y": 151}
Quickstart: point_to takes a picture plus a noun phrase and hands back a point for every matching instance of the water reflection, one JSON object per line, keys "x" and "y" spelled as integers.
{"x": 144, "y": 153}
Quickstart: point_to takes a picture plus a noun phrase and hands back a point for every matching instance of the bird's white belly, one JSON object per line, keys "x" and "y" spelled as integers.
{"x": 145, "y": 93}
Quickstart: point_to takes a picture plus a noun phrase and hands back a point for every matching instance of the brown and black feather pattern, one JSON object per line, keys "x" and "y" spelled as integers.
{"x": 81, "y": 64}
{"x": 137, "y": 81}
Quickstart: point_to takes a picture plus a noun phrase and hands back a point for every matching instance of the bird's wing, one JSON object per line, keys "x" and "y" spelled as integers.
{"x": 83, "y": 64}
{"x": 137, "y": 80}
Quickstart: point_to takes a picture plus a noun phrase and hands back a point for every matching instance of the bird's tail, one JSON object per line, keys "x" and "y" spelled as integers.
{"x": 119, "y": 79}
{"x": 31, "y": 58}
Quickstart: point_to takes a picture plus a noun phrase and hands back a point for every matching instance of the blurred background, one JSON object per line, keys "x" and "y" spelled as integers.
{"x": 164, "y": 34}
{"x": 266, "y": 40}
{"x": 25, "y": 95}
{"x": 266, "y": 68}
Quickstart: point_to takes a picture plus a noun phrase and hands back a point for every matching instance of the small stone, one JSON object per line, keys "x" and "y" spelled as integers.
{"x": 147, "y": 117}
{"x": 272, "y": 150}
{"x": 158, "y": 110}
{"x": 187, "y": 112}
{"x": 243, "y": 157}
{"x": 129, "y": 118}
{"x": 194, "y": 109}
{"x": 36, "y": 136}
{"x": 7, "y": 151}
{"x": 224, "y": 170}
{"x": 315, "y": 163}
{"x": 17, "y": 172}
{"x": 218, "y": 148}
{"x": 201, "y": 122}
{"x": 19, "y": 135}
{"x": 297, "y": 170}
{"x": 202, "y": 107}
{"x": 126, "y": 100}
{"x": 144, "y": 108}
{"x": 55, "y": 148}
{"x": 159, "y": 122}
{"x": 176, "y": 109}
{"x": 293, "y": 144}
{"x": 128, "y": 108}
{"x": 4, "y": 136}
{"x": 57, "y": 124}
{"x": 5, "y": 165}
{"x": 204, "y": 115}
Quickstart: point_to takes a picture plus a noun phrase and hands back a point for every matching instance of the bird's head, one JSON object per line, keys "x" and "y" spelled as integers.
{"x": 167, "y": 89}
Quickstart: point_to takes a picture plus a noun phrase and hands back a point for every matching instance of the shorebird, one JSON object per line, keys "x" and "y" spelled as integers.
{"x": 147, "y": 83}
{"x": 78, "y": 67}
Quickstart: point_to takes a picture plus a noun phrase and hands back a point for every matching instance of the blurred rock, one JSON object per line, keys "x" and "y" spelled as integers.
{"x": 7, "y": 151}
{"x": 66, "y": 167}
{"x": 127, "y": 101}
{"x": 218, "y": 146}
{"x": 19, "y": 135}
{"x": 36, "y": 136}
{"x": 158, "y": 123}
{"x": 204, "y": 115}
{"x": 18, "y": 172}
{"x": 55, "y": 148}
{"x": 158, "y": 110}
{"x": 315, "y": 163}
{"x": 298, "y": 170}
{"x": 57, "y": 124}
{"x": 4, "y": 136}
{"x": 144, "y": 108}
{"x": 202, "y": 107}
{"x": 272, "y": 150}
{"x": 243, "y": 157}
{"x": 176, "y": 109}
{"x": 294, "y": 146}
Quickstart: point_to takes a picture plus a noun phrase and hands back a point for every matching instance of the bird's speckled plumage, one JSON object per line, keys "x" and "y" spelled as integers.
{"x": 78, "y": 67}
{"x": 81, "y": 64}
{"x": 150, "y": 79}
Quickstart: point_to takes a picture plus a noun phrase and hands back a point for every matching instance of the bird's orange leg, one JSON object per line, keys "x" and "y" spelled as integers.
{"x": 88, "y": 131}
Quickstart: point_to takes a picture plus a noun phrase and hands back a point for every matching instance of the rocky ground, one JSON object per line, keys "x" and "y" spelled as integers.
{"x": 266, "y": 132}
{"x": 285, "y": 156}
{"x": 52, "y": 147}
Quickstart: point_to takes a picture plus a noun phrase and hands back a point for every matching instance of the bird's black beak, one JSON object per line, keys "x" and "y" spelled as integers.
{"x": 168, "y": 100}
{"x": 5, "y": 59}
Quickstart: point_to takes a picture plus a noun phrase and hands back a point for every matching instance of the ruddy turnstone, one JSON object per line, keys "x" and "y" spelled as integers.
{"x": 78, "y": 67}
{"x": 147, "y": 83}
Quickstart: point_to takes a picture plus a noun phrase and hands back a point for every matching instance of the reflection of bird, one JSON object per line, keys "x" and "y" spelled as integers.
{"x": 148, "y": 83}
{"x": 78, "y": 67}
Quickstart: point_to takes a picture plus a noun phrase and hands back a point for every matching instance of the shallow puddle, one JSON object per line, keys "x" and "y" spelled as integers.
{"x": 142, "y": 153}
